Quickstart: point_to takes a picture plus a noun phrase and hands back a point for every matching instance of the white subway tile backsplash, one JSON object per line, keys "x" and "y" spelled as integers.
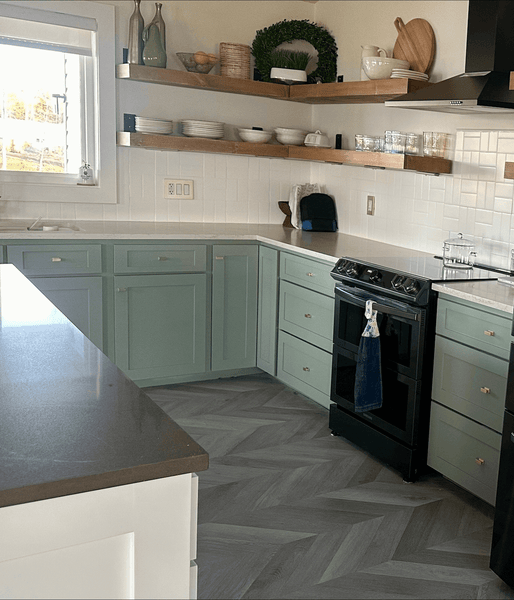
{"x": 413, "y": 210}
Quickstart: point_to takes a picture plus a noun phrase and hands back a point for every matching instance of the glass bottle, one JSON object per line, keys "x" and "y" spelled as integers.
{"x": 159, "y": 21}
{"x": 135, "y": 42}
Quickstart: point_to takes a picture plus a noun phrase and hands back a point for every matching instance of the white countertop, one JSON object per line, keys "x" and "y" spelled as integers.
{"x": 327, "y": 246}
{"x": 487, "y": 293}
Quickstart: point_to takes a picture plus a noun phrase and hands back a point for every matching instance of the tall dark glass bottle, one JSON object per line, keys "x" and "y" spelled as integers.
{"x": 135, "y": 42}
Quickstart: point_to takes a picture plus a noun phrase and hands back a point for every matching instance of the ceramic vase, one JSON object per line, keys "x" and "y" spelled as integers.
{"x": 153, "y": 51}
{"x": 135, "y": 43}
{"x": 159, "y": 21}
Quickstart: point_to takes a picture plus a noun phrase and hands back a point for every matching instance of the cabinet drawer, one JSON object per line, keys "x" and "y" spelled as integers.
{"x": 477, "y": 327}
{"x": 305, "y": 368}
{"x": 307, "y": 315}
{"x": 306, "y": 272}
{"x": 161, "y": 258}
{"x": 65, "y": 259}
{"x": 457, "y": 446}
{"x": 470, "y": 382}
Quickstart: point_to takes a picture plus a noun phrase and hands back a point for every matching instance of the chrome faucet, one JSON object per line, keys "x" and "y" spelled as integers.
{"x": 36, "y": 222}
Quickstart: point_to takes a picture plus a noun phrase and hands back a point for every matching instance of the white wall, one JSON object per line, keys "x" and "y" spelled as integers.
{"x": 412, "y": 209}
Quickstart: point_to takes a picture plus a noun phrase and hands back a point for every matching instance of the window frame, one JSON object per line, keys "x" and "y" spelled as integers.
{"x": 104, "y": 192}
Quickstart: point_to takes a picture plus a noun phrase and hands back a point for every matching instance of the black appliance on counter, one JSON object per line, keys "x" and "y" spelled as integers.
{"x": 401, "y": 290}
{"x": 502, "y": 549}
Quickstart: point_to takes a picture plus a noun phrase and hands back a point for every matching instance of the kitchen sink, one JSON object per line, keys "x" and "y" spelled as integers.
{"x": 40, "y": 228}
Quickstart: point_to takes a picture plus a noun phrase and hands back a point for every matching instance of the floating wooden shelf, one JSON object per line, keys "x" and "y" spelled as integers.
{"x": 423, "y": 164}
{"x": 509, "y": 170}
{"x": 197, "y": 81}
{"x": 511, "y": 81}
{"x": 352, "y": 92}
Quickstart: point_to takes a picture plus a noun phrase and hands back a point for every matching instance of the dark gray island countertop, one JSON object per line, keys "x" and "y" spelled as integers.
{"x": 70, "y": 420}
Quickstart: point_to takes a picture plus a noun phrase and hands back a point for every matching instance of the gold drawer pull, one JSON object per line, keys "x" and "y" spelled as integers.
{"x": 485, "y": 390}
{"x": 311, "y": 275}
{"x": 162, "y": 258}
{"x": 306, "y": 369}
{"x": 122, "y": 289}
{"x": 56, "y": 259}
{"x": 489, "y": 332}
{"x": 480, "y": 461}
{"x": 308, "y": 316}
{"x": 219, "y": 257}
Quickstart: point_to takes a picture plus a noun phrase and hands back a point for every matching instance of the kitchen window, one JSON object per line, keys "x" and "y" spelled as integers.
{"x": 57, "y": 95}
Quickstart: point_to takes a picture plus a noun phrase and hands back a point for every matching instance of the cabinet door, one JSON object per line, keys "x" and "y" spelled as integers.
{"x": 160, "y": 324}
{"x": 80, "y": 300}
{"x": 234, "y": 307}
{"x": 267, "y": 310}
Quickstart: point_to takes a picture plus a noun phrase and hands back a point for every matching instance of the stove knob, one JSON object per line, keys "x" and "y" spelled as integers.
{"x": 341, "y": 266}
{"x": 411, "y": 287}
{"x": 375, "y": 277}
{"x": 398, "y": 282}
{"x": 352, "y": 270}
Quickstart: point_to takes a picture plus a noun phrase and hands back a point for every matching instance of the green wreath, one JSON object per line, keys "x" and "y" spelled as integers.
{"x": 267, "y": 39}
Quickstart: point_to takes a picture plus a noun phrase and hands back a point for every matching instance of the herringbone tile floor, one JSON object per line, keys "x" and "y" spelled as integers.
{"x": 288, "y": 511}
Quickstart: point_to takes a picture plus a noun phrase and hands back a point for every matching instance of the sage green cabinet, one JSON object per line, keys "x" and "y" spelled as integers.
{"x": 234, "y": 306}
{"x": 160, "y": 324}
{"x": 306, "y": 321}
{"x": 468, "y": 394}
{"x": 267, "y": 310}
{"x": 79, "y": 299}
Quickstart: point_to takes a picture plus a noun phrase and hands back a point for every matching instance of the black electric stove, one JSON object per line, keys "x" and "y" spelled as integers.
{"x": 402, "y": 295}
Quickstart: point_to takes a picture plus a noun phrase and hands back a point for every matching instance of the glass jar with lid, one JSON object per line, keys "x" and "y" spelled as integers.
{"x": 459, "y": 253}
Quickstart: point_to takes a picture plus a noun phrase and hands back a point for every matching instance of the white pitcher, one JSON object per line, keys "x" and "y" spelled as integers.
{"x": 370, "y": 51}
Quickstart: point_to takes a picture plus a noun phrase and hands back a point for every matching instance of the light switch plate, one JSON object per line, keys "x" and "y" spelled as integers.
{"x": 370, "y": 205}
{"x": 179, "y": 189}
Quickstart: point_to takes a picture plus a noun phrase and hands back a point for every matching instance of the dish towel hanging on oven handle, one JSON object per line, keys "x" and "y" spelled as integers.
{"x": 368, "y": 374}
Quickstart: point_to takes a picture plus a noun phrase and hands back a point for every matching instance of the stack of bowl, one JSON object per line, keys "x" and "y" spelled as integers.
{"x": 381, "y": 67}
{"x": 290, "y": 137}
{"x": 257, "y": 136}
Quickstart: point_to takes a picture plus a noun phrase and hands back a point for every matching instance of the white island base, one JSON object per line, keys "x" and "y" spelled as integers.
{"x": 130, "y": 541}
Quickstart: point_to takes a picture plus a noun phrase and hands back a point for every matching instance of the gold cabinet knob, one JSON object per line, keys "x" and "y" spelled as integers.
{"x": 489, "y": 332}
{"x": 485, "y": 390}
{"x": 308, "y": 316}
{"x": 480, "y": 461}
{"x": 311, "y": 275}
{"x": 306, "y": 369}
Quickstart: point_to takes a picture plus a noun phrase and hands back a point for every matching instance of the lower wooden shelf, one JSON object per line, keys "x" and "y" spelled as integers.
{"x": 423, "y": 164}
{"x": 509, "y": 170}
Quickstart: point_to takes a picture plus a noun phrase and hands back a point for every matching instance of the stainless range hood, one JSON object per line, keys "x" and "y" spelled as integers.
{"x": 484, "y": 87}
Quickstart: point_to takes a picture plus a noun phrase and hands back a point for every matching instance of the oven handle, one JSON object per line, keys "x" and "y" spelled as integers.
{"x": 381, "y": 304}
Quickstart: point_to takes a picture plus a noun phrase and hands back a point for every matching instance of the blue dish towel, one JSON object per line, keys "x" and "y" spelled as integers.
{"x": 368, "y": 374}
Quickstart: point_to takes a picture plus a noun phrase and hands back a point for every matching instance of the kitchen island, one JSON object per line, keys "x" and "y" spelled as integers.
{"x": 98, "y": 490}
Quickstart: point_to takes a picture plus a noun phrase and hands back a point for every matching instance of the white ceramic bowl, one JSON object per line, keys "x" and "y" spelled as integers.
{"x": 255, "y": 135}
{"x": 381, "y": 67}
{"x": 290, "y": 137}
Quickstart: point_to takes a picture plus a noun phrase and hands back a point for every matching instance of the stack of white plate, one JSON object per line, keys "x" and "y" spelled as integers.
{"x": 203, "y": 129}
{"x": 402, "y": 73}
{"x": 161, "y": 126}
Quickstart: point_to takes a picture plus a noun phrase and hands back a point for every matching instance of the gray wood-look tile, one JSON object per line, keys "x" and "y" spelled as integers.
{"x": 288, "y": 511}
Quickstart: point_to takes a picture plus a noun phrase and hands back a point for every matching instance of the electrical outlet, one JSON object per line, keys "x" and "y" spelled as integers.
{"x": 179, "y": 189}
{"x": 370, "y": 205}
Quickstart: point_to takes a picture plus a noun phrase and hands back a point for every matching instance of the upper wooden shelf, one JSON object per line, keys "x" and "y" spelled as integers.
{"x": 352, "y": 92}
{"x": 422, "y": 164}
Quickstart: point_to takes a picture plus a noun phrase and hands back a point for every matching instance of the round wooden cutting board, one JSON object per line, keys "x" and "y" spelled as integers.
{"x": 415, "y": 44}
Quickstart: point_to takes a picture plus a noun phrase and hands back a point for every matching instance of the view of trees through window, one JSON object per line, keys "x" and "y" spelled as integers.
{"x": 35, "y": 116}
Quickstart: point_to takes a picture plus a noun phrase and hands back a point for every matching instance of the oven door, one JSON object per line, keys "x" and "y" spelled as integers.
{"x": 399, "y": 414}
{"x": 401, "y": 325}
